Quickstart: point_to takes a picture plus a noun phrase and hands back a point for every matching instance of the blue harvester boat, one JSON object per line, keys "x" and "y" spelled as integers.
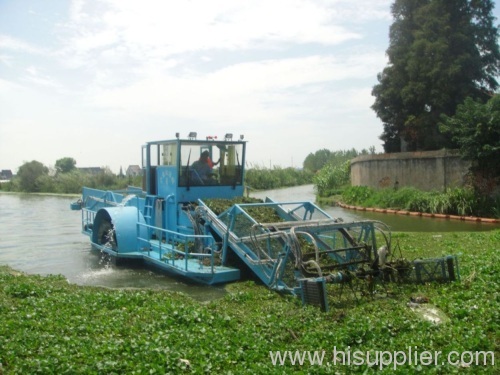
{"x": 170, "y": 223}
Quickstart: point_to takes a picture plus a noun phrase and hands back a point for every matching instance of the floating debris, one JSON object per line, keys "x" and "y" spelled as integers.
{"x": 422, "y": 308}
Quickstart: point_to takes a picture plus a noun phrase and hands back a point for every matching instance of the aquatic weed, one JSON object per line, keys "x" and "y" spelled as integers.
{"x": 50, "y": 326}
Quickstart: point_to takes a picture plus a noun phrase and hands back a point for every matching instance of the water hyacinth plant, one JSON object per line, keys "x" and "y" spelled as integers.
{"x": 50, "y": 326}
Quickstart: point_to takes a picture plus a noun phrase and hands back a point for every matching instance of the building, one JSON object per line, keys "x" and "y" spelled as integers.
{"x": 134, "y": 170}
{"x": 91, "y": 170}
{"x": 6, "y": 174}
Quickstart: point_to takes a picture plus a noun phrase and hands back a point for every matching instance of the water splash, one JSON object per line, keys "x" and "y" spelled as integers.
{"x": 126, "y": 199}
{"x": 93, "y": 275}
{"x": 105, "y": 260}
{"x": 110, "y": 239}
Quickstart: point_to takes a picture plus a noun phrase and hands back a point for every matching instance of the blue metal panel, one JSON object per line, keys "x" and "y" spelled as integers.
{"x": 167, "y": 177}
{"x": 124, "y": 226}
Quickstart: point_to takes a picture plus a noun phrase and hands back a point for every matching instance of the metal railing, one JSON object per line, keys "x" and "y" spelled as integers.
{"x": 168, "y": 245}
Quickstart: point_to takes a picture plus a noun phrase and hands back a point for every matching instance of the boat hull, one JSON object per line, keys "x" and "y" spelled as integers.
{"x": 189, "y": 269}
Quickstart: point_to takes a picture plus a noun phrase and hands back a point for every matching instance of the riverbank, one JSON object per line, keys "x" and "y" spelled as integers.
{"x": 422, "y": 214}
{"x": 453, "y": 204}
{"x": 69, "y": 195}
{"x": 50, "y": 326}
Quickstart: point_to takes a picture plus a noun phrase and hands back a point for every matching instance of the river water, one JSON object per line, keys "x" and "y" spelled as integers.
{"x": 41, "y": 235}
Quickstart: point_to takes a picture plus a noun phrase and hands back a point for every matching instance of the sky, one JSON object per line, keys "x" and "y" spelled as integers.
{"x": 96, "y": 79}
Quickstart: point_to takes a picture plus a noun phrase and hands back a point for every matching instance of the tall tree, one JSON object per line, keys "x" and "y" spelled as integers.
{"x": 440, "y": 53}
{"x": 65, "y": 165}
{"x": 314, "y": 162}
{"x": 29, "y": 175}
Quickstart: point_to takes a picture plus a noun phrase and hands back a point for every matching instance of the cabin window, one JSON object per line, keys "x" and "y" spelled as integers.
{"x": 144, "y": 156}
{"x": 223, "y": 166}
{"x": 154, "y": 155}
{"x": 169, "y": 154}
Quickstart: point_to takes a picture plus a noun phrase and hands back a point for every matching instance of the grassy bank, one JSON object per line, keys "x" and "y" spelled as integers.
{"x": 49, "y": 326}
{"x": 456, "y": 201}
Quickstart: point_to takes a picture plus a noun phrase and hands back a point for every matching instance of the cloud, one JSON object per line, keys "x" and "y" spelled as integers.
{"x": 36, "y": 77}
{"x": 10, "y": 43}
{"x": 122, "y": 46}
{"x": 159, "y": 30}
{"x": 259, "y": 87}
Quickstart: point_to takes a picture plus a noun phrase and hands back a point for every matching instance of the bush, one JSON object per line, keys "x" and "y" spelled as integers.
{"x": 277, "y": 177}
{"x": 357, "y": 194}
{"x": 331, "y": 178}
{"x": 31, "y": 176}
{"x": 70, "y": 183}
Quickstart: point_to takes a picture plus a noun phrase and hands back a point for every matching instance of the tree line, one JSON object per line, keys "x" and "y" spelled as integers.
{"x": 35, "y": 177}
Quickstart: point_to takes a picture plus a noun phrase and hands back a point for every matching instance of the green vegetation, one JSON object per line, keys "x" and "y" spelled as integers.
{"x": 331, "y": 179}
{"x": 322, "y": 158}
{"x": 34, "y": 177}
{"x": 31, "y": 175}
{"x": 332, "y": 169}
{"x": 457, "y": 201}
{"x": 50, "y": 326}
{"x": 67, "y": 183}
{"x": 65, "y": 165}
{"x": 440, "y": 52}
{"x": 277, "y": 177}
{"x": 475, "y": 128}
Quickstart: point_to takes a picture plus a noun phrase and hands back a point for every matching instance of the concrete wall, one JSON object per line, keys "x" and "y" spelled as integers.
{"x": 429, "y": 170}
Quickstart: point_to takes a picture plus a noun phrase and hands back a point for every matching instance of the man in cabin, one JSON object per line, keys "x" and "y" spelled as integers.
{"x": 210, "y": 163}
{"x": 202, "y": 170}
